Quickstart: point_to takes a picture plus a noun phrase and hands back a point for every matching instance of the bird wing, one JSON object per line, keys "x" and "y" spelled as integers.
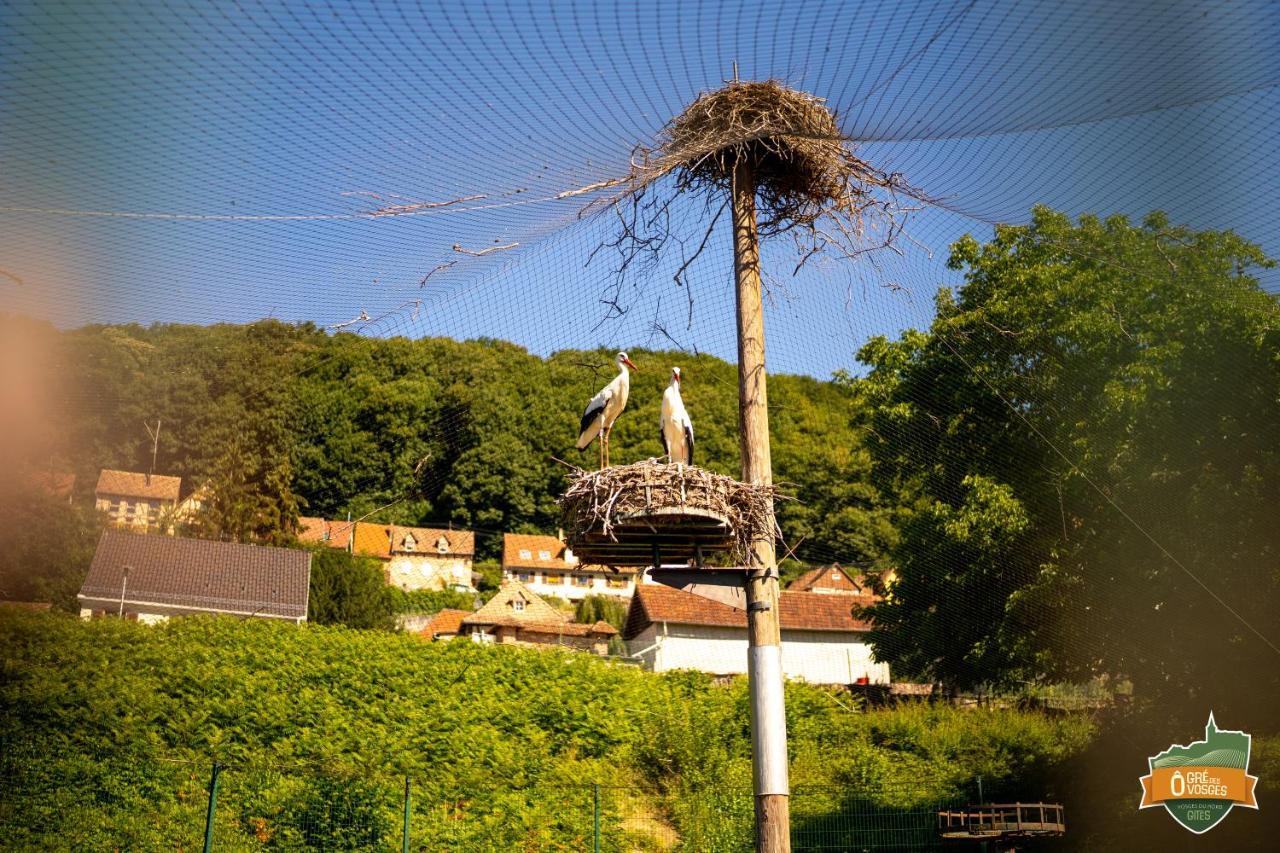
{"x": 588, "y": 429}
{"x": 662, "y": 434}
{"x": 688, "y": 440}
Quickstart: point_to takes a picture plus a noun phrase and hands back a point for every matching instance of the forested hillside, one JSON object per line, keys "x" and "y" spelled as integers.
{"x": 283, "y": 419}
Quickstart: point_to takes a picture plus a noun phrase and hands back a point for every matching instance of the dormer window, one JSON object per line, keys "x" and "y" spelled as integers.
{"x": 409, "y": 542}
{"x": 526, "y": 554}
{"x": 544, "y": 555}
{"x": 442, "y": 545}
{"x": 517, "y": 604}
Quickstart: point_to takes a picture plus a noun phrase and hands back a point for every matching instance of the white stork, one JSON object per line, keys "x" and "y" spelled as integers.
{"x": 674, "y": 426}
{"x": 604, "y": 409}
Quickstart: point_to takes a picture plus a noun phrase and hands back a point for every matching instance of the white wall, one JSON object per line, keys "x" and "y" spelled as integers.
{"x": 821, "y": 657}
{"x": 570, "y": 590}
{"x": 429, "y": 571}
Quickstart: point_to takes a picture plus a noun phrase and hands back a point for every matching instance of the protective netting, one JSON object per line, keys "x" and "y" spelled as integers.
{"x": 395, "y": 169}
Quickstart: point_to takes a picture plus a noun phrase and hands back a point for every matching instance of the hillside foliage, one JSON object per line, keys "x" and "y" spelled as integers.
{"x": 110, "y": 728}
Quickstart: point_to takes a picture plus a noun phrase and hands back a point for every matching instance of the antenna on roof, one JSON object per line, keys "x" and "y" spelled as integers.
{"x": 155, "y": 446}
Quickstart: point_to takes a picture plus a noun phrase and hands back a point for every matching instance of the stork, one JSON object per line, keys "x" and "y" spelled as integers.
{"x": 674, "y": 425}
{"x": 604, "y": 409}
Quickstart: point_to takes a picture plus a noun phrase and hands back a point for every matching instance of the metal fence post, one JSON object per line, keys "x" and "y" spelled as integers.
{"x": 213, "y": 805}
{"x": 595, "y": 817}
{"x": 404, "y": 844}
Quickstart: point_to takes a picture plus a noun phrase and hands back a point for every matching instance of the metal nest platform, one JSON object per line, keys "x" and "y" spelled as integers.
{"x": 1002, "y": 822}
{"x": 651, "y": 514}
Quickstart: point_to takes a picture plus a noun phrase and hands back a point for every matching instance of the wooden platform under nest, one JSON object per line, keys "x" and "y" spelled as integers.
{"x": 650, "y": 513}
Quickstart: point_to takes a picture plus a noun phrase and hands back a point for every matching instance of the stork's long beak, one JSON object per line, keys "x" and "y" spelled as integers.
{"x": 629, "y": 363}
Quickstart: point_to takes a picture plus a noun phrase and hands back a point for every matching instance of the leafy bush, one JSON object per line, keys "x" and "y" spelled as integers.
{"x": 119, "y": 723}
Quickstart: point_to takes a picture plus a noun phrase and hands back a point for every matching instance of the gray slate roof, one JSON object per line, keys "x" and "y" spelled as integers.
{"x": 196, "y": 573}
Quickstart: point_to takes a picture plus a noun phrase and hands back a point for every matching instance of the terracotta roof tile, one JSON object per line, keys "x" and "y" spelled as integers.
{"x": 445, "y": 622}
{"x": 799, "y": 611}
{"x": 130, "y": 484}
{"x": 460, "y": 542}
{"x": 372, "y": 540}
{"x": 515, "y": 545}
{"x": 313, "y": 530}
{"x": 499, "y": 610}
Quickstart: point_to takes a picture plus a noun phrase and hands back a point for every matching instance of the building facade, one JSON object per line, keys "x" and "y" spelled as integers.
{"x": 823, "y": 636}
{"x": 516, "y": 616}
{"x": 136, "y": 501}
{"x": 546, "y": 566}
{"x": 412, "y": 557}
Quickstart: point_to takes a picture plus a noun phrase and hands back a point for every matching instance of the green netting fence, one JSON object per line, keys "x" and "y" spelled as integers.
{"x": 110, "y": 801}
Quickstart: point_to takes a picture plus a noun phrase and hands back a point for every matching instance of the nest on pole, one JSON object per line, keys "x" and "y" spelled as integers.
{"x": 808, "y": 178}
{"x": 622, "y": 511}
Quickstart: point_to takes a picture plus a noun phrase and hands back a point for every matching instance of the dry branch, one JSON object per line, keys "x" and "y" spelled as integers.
{"x": 810, "y": 183}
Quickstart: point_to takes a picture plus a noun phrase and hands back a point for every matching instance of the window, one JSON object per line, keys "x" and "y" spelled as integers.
{"x": 517, "y": 604}
{"x": 544, "y": 555}
{"x": 409, "y": 542}
{"x": 555, "y": 577}
{"x": 442, "y": 545}
{"x": 582, "y": 580}
{"x": 526, "y": 554}
{"x": 617, "y": 583}
{"x": 525, "y": 577}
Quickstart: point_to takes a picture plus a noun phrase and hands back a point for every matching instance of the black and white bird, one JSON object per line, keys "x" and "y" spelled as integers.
{"x": 675, "y": 427}
{"x": 604, "y": 409}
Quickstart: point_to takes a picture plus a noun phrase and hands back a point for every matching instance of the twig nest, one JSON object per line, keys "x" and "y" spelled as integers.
{"x": 617, "y": 516}
{"x": 802, "y": 163}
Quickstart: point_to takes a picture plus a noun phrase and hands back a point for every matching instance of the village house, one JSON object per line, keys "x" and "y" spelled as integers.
{"x": 519, "y": 617}
{"x": 444, "y": 625}
{"x": 136, "y": 501}
{"x": 823, "y": 636}
{"x": 412, "y": 557}
{"x": 546, "y": 566}
{"x": 832, "y": 580}
{"x": 149, "y": 578}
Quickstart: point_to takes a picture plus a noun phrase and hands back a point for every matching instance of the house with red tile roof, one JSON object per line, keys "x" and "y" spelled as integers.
{"x": 517, "y": 616}
{"x": 824, "y": 637}
{"x": 444, "y": 625}
{"x": 834, "y": 579}
{"x": 413, "y": 557}
{"x": 135, "y": 500}
{"x": 546, "y": 566}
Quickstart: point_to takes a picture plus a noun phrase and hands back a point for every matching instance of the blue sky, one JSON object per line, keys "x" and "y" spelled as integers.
{"x": 203, "y": 162}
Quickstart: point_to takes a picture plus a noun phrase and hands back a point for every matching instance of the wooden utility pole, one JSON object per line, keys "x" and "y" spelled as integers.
{"x": 764, "y": 636}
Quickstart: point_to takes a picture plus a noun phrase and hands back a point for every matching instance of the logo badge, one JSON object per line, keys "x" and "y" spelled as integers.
{"x": 1199, "y": 783}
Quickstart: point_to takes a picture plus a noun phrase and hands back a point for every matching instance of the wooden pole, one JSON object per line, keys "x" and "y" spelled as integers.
{"x": 764, "y": 637}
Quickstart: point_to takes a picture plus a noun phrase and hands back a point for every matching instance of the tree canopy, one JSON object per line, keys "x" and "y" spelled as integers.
{"x": 279, "y": 420}
{"x": 1086, "y": 449}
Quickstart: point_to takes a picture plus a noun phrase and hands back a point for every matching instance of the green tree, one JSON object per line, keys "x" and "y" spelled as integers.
{"x": 349, "y": 590}
{"x": 1087, "y": 443}
{"x": 601, "y": 608}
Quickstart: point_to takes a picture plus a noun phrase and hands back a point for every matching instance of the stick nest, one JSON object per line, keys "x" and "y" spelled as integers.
{"x": 804, "y": 166}
{"x": 602, "y": 503}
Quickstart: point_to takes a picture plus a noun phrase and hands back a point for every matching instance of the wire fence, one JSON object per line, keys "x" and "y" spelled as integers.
{"x": 113, "y": 802}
